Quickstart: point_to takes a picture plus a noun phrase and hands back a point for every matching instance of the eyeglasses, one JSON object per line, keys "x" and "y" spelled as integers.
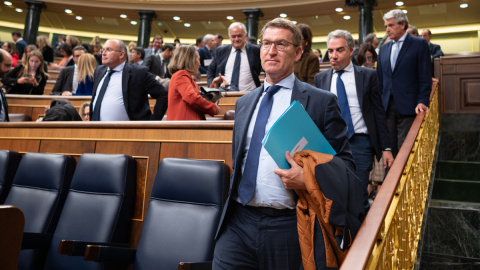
{"x": 280, "y": 45}
{"x": 109, "y": 50}
{"x": 369, "y": 58}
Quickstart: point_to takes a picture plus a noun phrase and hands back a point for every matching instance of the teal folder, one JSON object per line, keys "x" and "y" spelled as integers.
{"x": 294, "y": 131}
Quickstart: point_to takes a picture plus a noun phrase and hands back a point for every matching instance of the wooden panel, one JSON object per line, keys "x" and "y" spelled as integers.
{"x": 220, "y": 152}
{"x": 67, "y": 147}
{"x": 20, "y": 145}
{"x": 471, "y": 93}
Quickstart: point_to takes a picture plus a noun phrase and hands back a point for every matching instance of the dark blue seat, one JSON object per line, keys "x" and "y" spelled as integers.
{"x": 183, "y": 214}
{"x": 9, "y": 161}
{"x": 98, "y": 208}
{"x": 39, "y": 190}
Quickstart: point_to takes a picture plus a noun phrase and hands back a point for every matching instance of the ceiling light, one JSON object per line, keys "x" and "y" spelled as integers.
{"x": 176, "y": 18}
{"x": 283, "y": 15}
{"x": 186, "y": 24}
{"x": 19, "y": 10}
{"x": 230, "y": 18}
{"x": 159, "y": 24}
{"x": 405, "y": 11}
{"x": 123, "y": 16}
{"x": 294, "y": 22}
{"x": 339, "y": 9}
{"x": 68, "y": 11}
{"x": 133, "y": 22}
{"x": 7, "y": 3}
{"x": 347, "y": 17}
{"x": 399, "y": 3}
{"x": 464, "y": 5}
{"x": 79, "y": 18}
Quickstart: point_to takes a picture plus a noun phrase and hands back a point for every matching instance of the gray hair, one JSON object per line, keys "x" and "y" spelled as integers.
{"x": 285, "y": 24}
{"x": 399, "y": 16}
{"x": 370, "y": 38}
{"x": 123, "y": 47}
{"x": 342, "y": 34}
{"x": 237, "y": 24}
{"x": 208, "y": 37}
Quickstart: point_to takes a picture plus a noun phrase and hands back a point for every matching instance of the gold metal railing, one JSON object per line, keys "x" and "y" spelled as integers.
{"x": 389, "y": 236}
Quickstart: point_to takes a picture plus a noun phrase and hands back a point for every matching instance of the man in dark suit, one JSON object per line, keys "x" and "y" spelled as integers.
{"x": 65, "y": 84}
{"x": 435, "y": 49}
{"x": 364, "y": 112}
{"x": 206, "y": 52}
{"x": 238, "y": 63}
{"x": 157, "y": 46}
{"x": 258, "y": 227}
{"x": 5, "y": 67}
{"x": 120, "y": 90}
{"x": 405, "y": 72}
{"x": 19, "y": 42}
{"x": 157, "y": 64}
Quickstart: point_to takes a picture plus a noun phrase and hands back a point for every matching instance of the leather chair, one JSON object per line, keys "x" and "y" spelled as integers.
{"x": 183, "y": 214}
{"x": 9, "y": 161}
{"x": 229, "y": 115}
{"x": 98, "y": 209}
{"x": 12, "y": 222}
{"x": 39, "y": 189}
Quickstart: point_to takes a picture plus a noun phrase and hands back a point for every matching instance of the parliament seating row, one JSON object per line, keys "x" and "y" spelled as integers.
{"x": 94, "y": 205}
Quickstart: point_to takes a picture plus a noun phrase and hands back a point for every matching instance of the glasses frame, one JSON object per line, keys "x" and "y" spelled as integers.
{"x": 276, "y": 44}
{"x": 109, "y": 50}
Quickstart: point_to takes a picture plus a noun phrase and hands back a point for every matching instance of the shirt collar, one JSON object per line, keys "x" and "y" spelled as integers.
{"x": 286, "y": 83}
{"x": 348, "y": 68}
{"x": 234, "y": 50}
{"x": 119, "y": 67}
{"x": 402, "y": 39}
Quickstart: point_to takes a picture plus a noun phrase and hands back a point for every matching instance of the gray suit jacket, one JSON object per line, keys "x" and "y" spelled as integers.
{"x": 64, "y": 81}
{"x": 322, "y": 107}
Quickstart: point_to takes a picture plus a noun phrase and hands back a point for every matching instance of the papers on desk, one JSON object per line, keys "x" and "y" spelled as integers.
{"x": 294, "y": 131}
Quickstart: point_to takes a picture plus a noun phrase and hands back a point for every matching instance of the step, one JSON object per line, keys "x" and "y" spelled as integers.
{"x": 460, "y": 170}
{"x": 456, "y": 190}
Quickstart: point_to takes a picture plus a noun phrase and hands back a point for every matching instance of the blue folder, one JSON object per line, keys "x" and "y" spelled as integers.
{"x": 294, "y": 131}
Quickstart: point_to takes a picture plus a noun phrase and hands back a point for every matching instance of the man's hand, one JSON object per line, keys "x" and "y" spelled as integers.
{"x": 66, "y": 93}
{"x": 421, "y": 108}
{"x": 292, "y": 178}
{"x": 219, "y": 81}
{"x": 387, "y": 159}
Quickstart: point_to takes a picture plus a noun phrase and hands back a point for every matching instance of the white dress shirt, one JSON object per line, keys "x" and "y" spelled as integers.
{"x": 113, "y": 107}
{"x": 270, "y": 190}
{"x": 348, "y": 78}
{"x": 75, "y": 79}
{"x": 246, "y": 82}
{"x": 397, "y": 46}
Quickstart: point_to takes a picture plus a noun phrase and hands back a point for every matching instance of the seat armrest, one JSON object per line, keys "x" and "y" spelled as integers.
{"x": 195, "y": 266}
{"x": 77, "y": 248}
{"x": 99, "y": 253}
{"x": 36, "y": 240}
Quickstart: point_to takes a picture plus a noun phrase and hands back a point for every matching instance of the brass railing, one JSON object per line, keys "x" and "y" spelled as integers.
{"x": 389, "y": 236}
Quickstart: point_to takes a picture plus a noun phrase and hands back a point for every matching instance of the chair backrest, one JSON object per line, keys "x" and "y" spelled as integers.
{"x": 11, "y": 233}
{"x": 39, "y": 189}
{"x": 98, "y": 207}
{"x": 183, "y": 213}
{"x": 9, "y": 161}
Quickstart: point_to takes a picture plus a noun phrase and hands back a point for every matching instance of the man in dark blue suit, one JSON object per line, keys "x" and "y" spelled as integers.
{"x": 206, "y": 53}
{"x": 239, "y": 57}
{"x": 435, "y": 49}
{"x": 364, "y": 109}
{"x": 19, "y": 42}
{"x": 405, "y": 72}
{"x": 258, "y": 228}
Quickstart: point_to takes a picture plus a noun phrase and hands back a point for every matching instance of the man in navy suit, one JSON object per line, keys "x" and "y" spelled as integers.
{"x": 435, "y": 49}
{"x": 225, "y": 58}
{"x": 120, "y": 90}
{"x": 405, "y": 72}
{"x": 206, "y": 53}
{"x": 362, "y": 88}
{"x": 261, "y": 232}
{"x": 19, "y": 42}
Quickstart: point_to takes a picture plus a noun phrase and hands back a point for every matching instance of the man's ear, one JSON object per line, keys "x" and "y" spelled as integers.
{"x": 298, "y": 53}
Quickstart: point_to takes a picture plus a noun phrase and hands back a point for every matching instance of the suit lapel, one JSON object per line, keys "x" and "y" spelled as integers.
{"x": 405, "y": 45}
{"x": 327, "y": 83}
{"x": 387, "y": 54}
{"x": 102, "y": 70}
{"x": 299, "y": 93}
{"x": 358, "y": 83}
{"x": 125, "y": 79}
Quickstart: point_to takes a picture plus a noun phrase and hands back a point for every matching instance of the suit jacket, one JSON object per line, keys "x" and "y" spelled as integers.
{"x": 137, "y": 83}
{"x": 411, "y": 80}
{"x": 221, "y": 57}
{"x": 64, "y": 81}
{"x": 435, "y": 50}
{"x": 47, "y": 53}
{"x": 21, "y": 45}
{"x": 204, "y": 53}
{"x": 368, "y": 94}
{"x": 148, "y": 52}
{"x": 155, "y": 65}
{"x": 322, "y": 107}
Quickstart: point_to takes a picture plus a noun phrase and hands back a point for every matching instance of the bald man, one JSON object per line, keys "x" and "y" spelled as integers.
{"x": 5, "y": 67}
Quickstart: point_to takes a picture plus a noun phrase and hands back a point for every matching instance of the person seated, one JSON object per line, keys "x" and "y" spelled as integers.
{"x": 12, "y": 49}
{"x": 28, "y": 50}
{"x": 86, "y": 68}
{"x": 44, "y": 47}
{"x": 308, "y": 66}
{"x": 184, "y": 99}
{"x": 61, "y": 110}
{"x": 27, "y": 80}
{"x": 67, "y": 53}
{"x": 367, "y": 56}
{"x": 318, "y": 53}
{"x": 84, "y": 111}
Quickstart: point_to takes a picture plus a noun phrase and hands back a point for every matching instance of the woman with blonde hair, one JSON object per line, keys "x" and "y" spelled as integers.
{"x": 85, "y": 69}
{"x": 44, "y": 47}
{"x": 27, "y": 80}
{"x": 95, "y": 40}
{"x": 184, "y": 99}
{"x": 84, "y": 111}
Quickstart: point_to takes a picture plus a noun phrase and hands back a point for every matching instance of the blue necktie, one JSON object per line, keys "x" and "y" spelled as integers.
{"x": 98, "y": 103}
{"x": 236, "y": 72}
{"x": 249, "y": 178}
{"x": 343, "y": 103}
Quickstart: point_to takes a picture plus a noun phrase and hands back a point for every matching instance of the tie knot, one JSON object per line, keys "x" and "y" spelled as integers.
{"x": 111, "y": 71}
{"x": 238, "y": 51}
{"x": 273, "y": 89}
{"x": 340, "y": 72}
